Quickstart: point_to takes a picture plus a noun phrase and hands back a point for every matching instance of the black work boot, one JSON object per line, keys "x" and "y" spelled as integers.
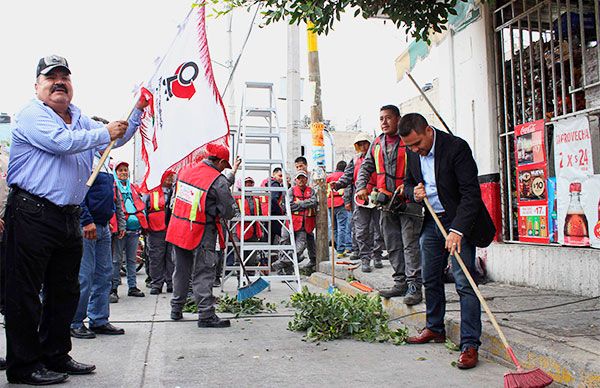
{"x": 397, "y": 290}
{"x": 377, "y": 263}
{"x": 214, "y": 321}
{"x": 366, "y": 265}
{"x": 414, "y": 295}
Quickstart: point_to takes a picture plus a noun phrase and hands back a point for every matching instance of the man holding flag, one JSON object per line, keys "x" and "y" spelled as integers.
{"x": 51, "y": 158}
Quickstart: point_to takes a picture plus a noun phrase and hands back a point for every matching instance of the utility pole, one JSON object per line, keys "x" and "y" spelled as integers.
{"x": 317, "y": 126}
{"x": 231, "y": 100}
{"x": 293, "y": 96}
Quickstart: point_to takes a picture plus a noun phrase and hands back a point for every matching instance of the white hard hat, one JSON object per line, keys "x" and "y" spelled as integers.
{"x": 361, "y": 136}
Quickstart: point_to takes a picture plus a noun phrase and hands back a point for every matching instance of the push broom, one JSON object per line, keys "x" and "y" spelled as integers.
{"x": 332, "y": 286}
{"x": 522, "y": 378}
{"x": 252, "y": 288}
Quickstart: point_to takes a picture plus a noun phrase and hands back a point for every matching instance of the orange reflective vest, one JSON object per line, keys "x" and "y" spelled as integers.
{"x": 338, "y": 195}
{"x": 188, "y": 218}
{"x": 303, "y": 219}
{"x": 378, "y": 156}
{"x": 157, "y": 215}
{"x": 358, "y": 161}
{"x": 252, "y": 229}
{"x": 137, "y": 203}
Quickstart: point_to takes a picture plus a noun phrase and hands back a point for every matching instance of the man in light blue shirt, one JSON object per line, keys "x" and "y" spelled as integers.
{"x": 51, "y": 158}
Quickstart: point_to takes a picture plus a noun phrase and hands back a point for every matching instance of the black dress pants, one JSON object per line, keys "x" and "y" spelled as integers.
{"x": 43, "y": 248}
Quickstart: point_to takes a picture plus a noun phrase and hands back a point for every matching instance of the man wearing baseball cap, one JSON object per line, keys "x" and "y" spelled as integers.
{"x": 51, "y": 158}
{"x": 202, "y": 200}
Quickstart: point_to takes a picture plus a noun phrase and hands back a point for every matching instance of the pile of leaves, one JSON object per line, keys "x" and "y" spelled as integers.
{"x": 230, "y": 304}
{"x": 326, "y": 317}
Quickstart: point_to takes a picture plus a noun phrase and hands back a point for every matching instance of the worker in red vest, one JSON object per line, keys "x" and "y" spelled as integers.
{"x": 202, "y": 200}
{"x": 365, "y": 220}
{"x": 335, "y": 200}
{"x": 159, "y": 250}
{"x": 252, "y": 207}
{"x": 303, "y": 205}
{"x": 387, "y": 158}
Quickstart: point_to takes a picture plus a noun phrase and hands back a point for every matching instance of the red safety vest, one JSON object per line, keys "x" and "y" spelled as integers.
{"x": 378, "y": 157}
{"x": 338, "y": 195}
{"x": 358, "y": 161}
{"x": 157, "y": 215}
{"x": 303, "y": 218}
{"x": 264, "y": 200}
{"x": 251, "y": 231}
{"x": 186, "y": 226}
{"x": 139, "y": 207}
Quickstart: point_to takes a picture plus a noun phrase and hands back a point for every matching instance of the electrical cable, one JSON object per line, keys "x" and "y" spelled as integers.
{"x": 237, "y": 61}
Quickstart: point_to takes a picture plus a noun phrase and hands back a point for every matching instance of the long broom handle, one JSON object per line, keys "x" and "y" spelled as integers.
{"x": 429, "y": 103}
{"x": 332, "y": 238}
{"x": 105, "y": 154}
{"x": 237, "y": 251}
{"x": 475, "y": 288}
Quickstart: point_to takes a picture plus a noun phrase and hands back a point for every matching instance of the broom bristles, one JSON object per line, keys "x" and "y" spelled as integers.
{"x": 252, "y": 289}
{"x": 535, "y": 378}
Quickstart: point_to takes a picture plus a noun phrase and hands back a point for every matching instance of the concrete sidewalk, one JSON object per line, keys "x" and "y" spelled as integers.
{"x": 555, "y": 331}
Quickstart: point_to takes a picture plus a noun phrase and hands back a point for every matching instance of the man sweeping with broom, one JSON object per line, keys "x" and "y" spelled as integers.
{"x": 202, "y": 199}
{"x": 443, "y": 174}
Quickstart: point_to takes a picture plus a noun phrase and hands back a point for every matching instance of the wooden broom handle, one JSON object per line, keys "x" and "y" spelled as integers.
{"x": 472, "y": 282}
{"x": 332, "y": 239}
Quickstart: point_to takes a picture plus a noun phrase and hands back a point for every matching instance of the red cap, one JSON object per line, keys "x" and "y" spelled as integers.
{"x": 218, "y": 150}
{"x": 575, "y": 187}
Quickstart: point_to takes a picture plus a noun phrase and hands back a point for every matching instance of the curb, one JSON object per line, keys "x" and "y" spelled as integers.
{"x": 554, "y": 357}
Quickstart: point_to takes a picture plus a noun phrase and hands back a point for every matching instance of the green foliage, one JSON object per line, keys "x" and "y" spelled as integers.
{"x": 451, "y": 345}
{"x": 326, "y": 317}
{"x": 230, "y": 304}
{"x": 416, "y": 17}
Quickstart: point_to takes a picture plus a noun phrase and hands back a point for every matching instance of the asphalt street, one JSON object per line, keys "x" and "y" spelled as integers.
{"x": 256, "y": 351}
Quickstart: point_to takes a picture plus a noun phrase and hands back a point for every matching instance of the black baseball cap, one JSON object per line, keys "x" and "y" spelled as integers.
{"x": 50, "y": 62}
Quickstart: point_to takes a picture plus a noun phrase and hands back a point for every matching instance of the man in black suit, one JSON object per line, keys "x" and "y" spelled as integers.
{"x": 441, "y": 167}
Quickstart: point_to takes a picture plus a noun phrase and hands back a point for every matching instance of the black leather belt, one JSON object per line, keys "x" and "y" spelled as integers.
{"x": 67, "y": 209}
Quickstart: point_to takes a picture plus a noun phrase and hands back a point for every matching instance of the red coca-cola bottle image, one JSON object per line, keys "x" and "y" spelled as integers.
{"x": 576, "y": 225}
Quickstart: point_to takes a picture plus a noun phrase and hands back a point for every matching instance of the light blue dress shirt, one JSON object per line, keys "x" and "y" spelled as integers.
{"x": 53, "y": 160}
{"x": 428, "y": 171}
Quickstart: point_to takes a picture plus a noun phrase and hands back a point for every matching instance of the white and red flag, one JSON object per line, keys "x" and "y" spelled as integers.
{"x": 186, "y": 111}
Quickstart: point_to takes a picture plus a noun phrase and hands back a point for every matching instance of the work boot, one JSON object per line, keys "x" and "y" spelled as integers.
{"x": 351, "y": 255}
{"x": 134, "y": 291}
{"x": 176, "y": 315}
{"x": 341, "y": 255}
{"x": 414, "y": 295}
{"x": 113, "y": 297}
{"x": 397, "y": 290}
{"x": 377, "y": 263}
{"x": 366, "y": 265}
{"x": 214, "y": 321}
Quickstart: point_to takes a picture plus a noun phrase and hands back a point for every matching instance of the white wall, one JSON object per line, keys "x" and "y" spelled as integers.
{"x": 467, "y": 94}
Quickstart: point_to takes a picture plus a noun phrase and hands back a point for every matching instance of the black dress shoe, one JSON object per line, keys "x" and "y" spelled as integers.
{"x": 41, "y": 376}
{"x": 72, "y": 367}
{"x": 107, "y": 329}
{"x": 214, "y": 321}
{"x": 135, "y": 292}
{"x": 154, "y": 291}
{"x": 176, "y": 315}
{"x": 82, "y": 333}
{"x": 2, "y": 363}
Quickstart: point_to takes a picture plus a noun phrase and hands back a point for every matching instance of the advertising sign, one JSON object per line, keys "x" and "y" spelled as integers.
{"x": 578, "y": 190}
{"x": 532, "y": 178}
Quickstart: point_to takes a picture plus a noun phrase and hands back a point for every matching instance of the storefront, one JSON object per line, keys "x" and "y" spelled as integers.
{"x": 548, "y": 95}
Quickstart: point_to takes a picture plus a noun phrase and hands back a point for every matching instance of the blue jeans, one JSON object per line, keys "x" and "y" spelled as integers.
{"x": 342, "y": 229}
{"x": 434, "y": 258}
{"x": 129, "y": 244}
{"x": 95, "y": 274}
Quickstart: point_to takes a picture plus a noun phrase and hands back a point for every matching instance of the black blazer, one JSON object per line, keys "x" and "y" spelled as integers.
{"x": 458, "y": 187}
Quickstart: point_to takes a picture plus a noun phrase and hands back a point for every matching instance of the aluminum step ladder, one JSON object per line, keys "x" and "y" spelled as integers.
{"x": 261, "y": 140}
